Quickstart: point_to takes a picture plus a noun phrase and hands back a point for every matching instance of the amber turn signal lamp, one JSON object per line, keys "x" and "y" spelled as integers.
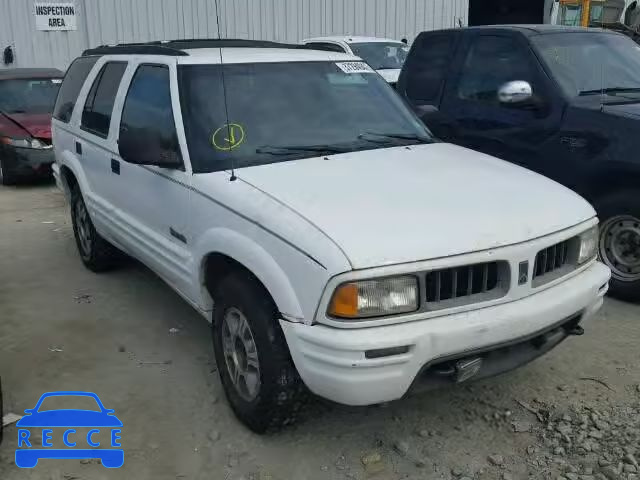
{"x": 345, "y": 301}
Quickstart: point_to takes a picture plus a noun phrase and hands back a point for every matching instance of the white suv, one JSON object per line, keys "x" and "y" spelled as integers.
{"x": 293, "y": 199}
{"x": 385, "y": 55}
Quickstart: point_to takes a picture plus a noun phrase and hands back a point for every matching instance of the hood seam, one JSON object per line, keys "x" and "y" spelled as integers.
{"x": 280, "y": 202}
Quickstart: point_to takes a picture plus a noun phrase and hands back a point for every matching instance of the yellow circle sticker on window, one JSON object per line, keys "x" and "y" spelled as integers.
{"x": 228, "y": 137}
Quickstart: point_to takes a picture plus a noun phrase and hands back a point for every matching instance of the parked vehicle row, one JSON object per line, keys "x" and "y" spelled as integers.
{"x": 26, "y": 101}
{"x": 296, "y": 201}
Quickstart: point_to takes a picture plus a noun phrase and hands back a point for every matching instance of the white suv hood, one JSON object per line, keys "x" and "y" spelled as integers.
{"x": 401, "y": 204}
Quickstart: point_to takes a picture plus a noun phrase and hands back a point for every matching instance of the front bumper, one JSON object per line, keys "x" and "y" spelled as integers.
{"x": 332, "y": 361}
{"x": 27, "y": 162}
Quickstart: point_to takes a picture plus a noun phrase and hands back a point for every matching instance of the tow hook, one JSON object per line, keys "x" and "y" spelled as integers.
{"x": 576, "y": 330}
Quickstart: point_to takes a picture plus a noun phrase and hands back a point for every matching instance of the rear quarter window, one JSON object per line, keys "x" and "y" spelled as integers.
{"x": 73, "y": 81}
{"x": 427, "y": 67}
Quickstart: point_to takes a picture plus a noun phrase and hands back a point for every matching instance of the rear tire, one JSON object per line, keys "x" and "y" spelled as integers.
{"x": 5, "y": 177}
{"x": 619, "y": 245}
{"x": 97, "y": 254}
{"x": 268, "y": 393}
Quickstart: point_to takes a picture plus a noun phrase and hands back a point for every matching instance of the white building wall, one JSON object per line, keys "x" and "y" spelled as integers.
{"x": 114, "y": 21}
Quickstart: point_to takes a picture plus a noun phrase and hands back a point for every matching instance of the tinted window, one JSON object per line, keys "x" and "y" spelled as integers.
{"x": 35, "y": 95}
{"x": 73, "y": 81}
{"x": 147, "y": 111}
{"x": 427, "y": 67}
{"x": 592, "y": 63}
{"x": 491, "y": 62}
{"x": 286, "y": 111}
{"x": 96, "y": 115}
{"x": 328, "y": 47}
{"x": 382, "y": 55}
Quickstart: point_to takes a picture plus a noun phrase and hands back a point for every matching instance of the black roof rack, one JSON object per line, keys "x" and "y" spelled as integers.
{"x": 177, "y": 47}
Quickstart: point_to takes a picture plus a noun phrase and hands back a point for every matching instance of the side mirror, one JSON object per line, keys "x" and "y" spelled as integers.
{"x": 144, "y": 147}
{"x": 513, "y": 93}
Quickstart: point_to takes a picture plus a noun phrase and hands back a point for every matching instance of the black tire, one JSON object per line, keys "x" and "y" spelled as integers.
{"x": 97, "y": 254}
{"x": 1, "y": 410}
{"x": 281, "y": 392}
{"x": 623, "y": 205}
{"x": 5, "y": 177}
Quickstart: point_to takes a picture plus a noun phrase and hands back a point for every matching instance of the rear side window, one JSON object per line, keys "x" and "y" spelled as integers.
{"x": 96, "y": 114}
{"x": 491, "y": 62}
{"x": 147, "y": 109}
{"x": 427, "y": 67}
{"x": 73, "y": 81}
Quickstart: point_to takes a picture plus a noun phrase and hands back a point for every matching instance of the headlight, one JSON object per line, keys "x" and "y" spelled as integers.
{"x": 23, "y": 142}
{"x": 588, "y": 245}
{"x": 375, "y": 298}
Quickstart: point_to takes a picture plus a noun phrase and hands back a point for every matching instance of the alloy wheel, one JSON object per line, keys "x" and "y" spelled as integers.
{"x": 241, "y": 354}
{"x": 84, "y": 228}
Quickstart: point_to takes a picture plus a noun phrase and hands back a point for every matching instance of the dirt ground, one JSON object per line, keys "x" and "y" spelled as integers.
{"x": 574, "y": 414}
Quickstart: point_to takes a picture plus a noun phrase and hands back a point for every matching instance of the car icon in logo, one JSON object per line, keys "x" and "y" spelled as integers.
{"x": 66, "y": 421}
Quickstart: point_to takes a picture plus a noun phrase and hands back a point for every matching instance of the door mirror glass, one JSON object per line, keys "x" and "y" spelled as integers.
{"x": 143, "y": 147}
{"x": 515, "y": 92}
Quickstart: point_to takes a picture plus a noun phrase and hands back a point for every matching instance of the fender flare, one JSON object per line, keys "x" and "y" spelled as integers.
{"x": 254, "y": 258}
{"x": 72, "y": 163}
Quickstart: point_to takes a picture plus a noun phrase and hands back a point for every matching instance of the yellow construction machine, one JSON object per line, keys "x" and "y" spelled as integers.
{"x": 587, "y": 13}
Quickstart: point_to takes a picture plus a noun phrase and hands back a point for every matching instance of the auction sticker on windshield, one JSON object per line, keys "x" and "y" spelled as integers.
{"x": 354, "y": 67}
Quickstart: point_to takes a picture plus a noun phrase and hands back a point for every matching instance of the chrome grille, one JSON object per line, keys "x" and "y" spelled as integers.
{"x": 551, "y": 259}
{"x": 464, "y": 281}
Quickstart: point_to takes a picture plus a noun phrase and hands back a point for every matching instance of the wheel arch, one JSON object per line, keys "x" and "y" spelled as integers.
{"x": 222, "y": 250}
{"x": 69, "y": 179}
{"x": 71, "y": 173}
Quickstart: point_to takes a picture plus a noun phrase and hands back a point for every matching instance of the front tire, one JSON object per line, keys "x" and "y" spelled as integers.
{"x": 619, "y": 245}
{"x": 256, "y": 370}
{"x": 96, "y": 253}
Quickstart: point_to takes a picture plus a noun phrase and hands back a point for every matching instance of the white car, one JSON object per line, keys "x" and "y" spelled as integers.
{"x": 385, "y": 55}
{"x": 293, "y": 199}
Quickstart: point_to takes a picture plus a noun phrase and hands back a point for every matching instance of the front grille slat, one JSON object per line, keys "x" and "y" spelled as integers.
{"x": 560, "y": 255}
{"x": 485, "y": 277}
{"x": 454, "y": 283}
{"x": 460, "y": 283}
{"x": 550, "y": 259}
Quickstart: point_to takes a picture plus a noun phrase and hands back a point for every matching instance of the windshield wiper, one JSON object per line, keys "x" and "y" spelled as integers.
{"x": 610, "y": 90}
{"x": 397, "y": 136}
{"x": 289, "y": 149}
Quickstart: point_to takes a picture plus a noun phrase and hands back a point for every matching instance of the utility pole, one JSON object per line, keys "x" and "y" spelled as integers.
{"x": 586, "y": 13}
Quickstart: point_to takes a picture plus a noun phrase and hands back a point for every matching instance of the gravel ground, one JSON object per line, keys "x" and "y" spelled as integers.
{"x": 574, "y": 414}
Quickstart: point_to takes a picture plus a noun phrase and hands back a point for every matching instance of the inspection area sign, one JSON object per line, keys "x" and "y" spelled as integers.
{"x": 55, "y": 16}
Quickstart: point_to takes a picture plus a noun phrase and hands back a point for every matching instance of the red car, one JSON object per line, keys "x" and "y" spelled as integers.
{"x": 27, "y": 96}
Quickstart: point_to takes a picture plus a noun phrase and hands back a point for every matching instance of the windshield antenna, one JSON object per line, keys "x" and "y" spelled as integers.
{"x": 224, "y": 93}
{"x": 602, "y": 89}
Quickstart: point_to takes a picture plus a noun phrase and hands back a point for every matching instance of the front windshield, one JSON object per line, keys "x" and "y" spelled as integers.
{"x": 588, "y": 63}
{"x": 286, "y": 111}
{"x": 28, "y": 95}
{"x": 381, "y": 55}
